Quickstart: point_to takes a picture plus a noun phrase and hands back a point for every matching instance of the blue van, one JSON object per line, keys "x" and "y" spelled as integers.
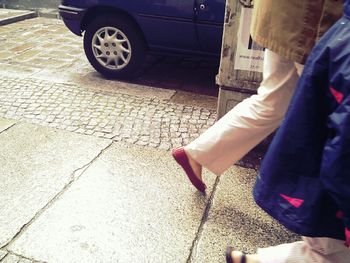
{"x": 119, "y": 33}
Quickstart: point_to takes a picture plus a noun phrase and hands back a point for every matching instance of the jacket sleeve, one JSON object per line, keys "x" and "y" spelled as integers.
{"x": 335, "y": 168}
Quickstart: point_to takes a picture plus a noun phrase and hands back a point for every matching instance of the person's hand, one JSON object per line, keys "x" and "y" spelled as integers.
{"x": 347, "y": 237}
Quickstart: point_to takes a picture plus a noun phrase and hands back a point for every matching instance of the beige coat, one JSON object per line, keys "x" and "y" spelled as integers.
{"x": 292, "y": 27}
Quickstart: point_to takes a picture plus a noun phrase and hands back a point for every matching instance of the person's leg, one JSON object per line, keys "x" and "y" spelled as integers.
{"x": 290, "y": 252}
{"x": 326, "y": 250}
{"x": 247, "y": 124}
{"x": 310, "y": 250}
{"x": 275, "y": 254}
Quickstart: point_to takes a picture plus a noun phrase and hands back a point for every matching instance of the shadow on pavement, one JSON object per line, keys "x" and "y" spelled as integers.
{"x": 189, "y": 74}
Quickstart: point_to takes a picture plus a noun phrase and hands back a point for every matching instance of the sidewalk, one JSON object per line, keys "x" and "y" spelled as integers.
{"x": 67, "y": 197}
{"x": 86, "y": 173}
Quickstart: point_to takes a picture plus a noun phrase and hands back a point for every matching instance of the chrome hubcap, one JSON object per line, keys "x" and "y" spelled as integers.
{"x": 111, "y": 48}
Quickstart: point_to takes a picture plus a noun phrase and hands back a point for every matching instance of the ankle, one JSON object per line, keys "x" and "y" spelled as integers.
{"x": 250, "y": 258}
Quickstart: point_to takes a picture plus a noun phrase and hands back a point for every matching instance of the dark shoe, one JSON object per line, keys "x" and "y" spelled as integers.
{"x": 229, "y": 258}
{"x": 181, "y": 158}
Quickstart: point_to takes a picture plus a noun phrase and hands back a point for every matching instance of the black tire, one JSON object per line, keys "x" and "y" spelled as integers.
{"x": 135, "y": 44}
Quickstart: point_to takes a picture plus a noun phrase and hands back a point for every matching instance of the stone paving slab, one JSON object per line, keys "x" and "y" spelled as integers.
{"x": 36, "y": 163}
{"x": 11, "y": 258}
{"x": 8, "y": 16}
{"x": 40, "y": 42}
{"x": 2, "y": 254}
{"x": 5, "y": 124}
{"x": 131, "y": 205}
{"x": 234, "y": 219}
{"x": 137, "y": 120}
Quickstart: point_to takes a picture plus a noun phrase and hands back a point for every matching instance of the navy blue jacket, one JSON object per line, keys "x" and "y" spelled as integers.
{"x": 304, "y": 180}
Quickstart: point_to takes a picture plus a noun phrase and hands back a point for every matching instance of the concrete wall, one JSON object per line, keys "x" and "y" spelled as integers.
{"x": 30, "y": 4}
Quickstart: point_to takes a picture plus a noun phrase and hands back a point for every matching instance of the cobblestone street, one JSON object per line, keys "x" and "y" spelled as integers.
{"x": 143, "y": 121}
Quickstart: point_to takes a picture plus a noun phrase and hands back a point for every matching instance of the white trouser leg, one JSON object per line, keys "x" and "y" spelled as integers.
{"x": 310, "y": 250}
{"x": 252, "y": 120}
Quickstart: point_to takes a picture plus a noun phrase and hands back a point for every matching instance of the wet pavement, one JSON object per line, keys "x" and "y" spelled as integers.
{"x": 85, "y": 168}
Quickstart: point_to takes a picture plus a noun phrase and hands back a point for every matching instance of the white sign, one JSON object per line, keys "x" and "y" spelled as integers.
{"x": 249, "y": 55}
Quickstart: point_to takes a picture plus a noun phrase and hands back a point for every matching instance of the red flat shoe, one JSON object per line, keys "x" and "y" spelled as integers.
{"x": 181, "y": 158}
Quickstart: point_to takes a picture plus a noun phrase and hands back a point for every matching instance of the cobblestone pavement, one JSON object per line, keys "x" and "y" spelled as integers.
{"x": 142, "y": 121}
